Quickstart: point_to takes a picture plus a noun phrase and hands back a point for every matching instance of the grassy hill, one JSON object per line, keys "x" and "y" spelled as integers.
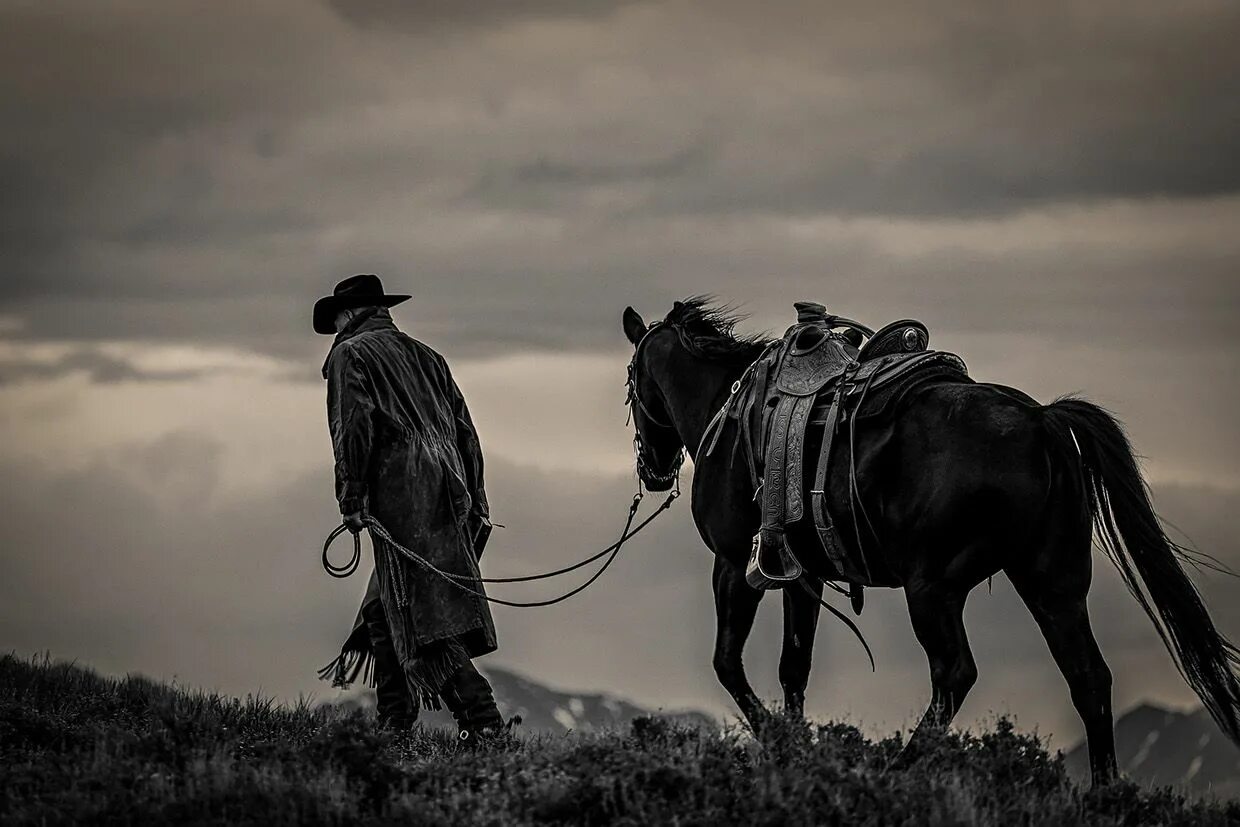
{"x": 76, "y": 747}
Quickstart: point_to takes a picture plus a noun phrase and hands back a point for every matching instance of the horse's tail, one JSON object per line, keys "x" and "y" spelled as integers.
{"x": 1149, "y": 562}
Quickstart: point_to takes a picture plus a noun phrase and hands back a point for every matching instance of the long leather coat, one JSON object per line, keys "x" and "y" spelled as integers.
{"x": 408, "y": 455}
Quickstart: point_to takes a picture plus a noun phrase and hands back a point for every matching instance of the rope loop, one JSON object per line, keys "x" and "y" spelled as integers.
{"x": 348, "y": 568}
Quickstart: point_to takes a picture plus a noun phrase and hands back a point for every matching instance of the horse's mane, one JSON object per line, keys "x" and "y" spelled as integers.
{"x": 708, "y": 330}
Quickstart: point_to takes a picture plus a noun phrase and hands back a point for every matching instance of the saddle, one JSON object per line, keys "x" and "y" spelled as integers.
{"x": 816, "y": 376}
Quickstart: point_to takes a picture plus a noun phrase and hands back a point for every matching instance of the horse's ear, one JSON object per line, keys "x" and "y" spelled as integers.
{"x": 634, "y": 325}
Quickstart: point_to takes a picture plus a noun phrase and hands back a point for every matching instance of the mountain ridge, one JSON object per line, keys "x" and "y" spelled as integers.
{"x": 1157, "y": 746}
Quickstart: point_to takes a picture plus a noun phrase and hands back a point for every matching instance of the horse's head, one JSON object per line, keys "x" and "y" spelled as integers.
{"x": 659, "y": 447}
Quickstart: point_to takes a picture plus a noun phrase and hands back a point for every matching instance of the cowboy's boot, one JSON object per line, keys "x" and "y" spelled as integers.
{"x": 469, "y": 698}
{"x": 395, "y": 705}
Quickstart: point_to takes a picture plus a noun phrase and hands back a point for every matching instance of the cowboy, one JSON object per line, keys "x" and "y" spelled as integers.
{"x": 408, "y": 457}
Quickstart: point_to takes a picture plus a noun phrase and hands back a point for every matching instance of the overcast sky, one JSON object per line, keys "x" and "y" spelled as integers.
{"x": 1053, "y": 188}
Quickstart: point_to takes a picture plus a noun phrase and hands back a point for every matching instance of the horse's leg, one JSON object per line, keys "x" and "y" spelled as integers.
{"x": 937, "y": 612}
{"x": 736, "y": 605}
{"x": 800, "y": 625}
{"x": 1057, "y": 603}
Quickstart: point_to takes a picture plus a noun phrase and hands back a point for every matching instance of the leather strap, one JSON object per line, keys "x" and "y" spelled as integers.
{"x": 713, "y": 429}
{"x": 750, "y": 417}
{"x": 854, "y": 492}
{"x": 794, "y": 481}
{"x": 774, "y": 475}
{"x": 827, "y": 532}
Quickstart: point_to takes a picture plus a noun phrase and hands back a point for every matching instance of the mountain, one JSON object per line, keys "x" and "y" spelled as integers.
{"x": 1156, "y": 746}
{"x": 554, "y": 711}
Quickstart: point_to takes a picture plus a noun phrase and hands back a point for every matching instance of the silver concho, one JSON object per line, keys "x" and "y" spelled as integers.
{"x": 911, "y": 339}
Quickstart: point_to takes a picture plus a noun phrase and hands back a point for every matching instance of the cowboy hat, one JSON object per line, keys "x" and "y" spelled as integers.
{"x": 355, "y": 291}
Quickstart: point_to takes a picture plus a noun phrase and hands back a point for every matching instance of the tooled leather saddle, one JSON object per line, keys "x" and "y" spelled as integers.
{"x": 816, "y": 376}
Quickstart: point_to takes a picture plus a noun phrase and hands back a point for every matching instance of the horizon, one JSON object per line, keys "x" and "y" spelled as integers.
{"x": 1053, "y": 191}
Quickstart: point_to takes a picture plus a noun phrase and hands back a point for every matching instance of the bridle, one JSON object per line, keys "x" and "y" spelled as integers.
{"x": 646, "y": 471}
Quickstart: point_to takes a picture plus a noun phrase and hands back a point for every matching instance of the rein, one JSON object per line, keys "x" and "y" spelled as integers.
{"x": 380, "y": 534}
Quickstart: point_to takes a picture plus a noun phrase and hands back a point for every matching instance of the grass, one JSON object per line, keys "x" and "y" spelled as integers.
{"x": 76, "y": 747}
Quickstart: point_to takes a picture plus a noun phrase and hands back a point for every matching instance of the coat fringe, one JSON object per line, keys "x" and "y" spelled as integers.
{"x": 427, "y": 673}
{"x": 347, "y": 666}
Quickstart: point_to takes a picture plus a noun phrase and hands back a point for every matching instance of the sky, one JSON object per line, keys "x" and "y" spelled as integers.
{"x": 1052, "y": 188}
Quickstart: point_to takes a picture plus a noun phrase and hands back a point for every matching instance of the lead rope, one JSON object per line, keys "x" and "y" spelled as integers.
{"x": 389, "y": 544}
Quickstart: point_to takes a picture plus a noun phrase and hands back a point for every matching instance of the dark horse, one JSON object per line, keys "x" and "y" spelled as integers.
{"x": 967, "y": 480}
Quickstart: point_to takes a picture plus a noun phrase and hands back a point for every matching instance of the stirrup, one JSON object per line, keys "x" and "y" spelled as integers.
{"x": 758, "y": 577}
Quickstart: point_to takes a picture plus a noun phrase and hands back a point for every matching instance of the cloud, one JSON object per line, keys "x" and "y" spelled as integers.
{"x": 564, "y": 412}
{"x": 30, "y": 361}
{"x": 528, "y": 169}
{"x": 428, "y": 17}
{"x": 543, "y": 171}
{"x": 98, "y": 366}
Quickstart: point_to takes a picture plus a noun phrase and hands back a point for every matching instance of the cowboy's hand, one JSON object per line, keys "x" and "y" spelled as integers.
{"x": 353, "y": 522}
